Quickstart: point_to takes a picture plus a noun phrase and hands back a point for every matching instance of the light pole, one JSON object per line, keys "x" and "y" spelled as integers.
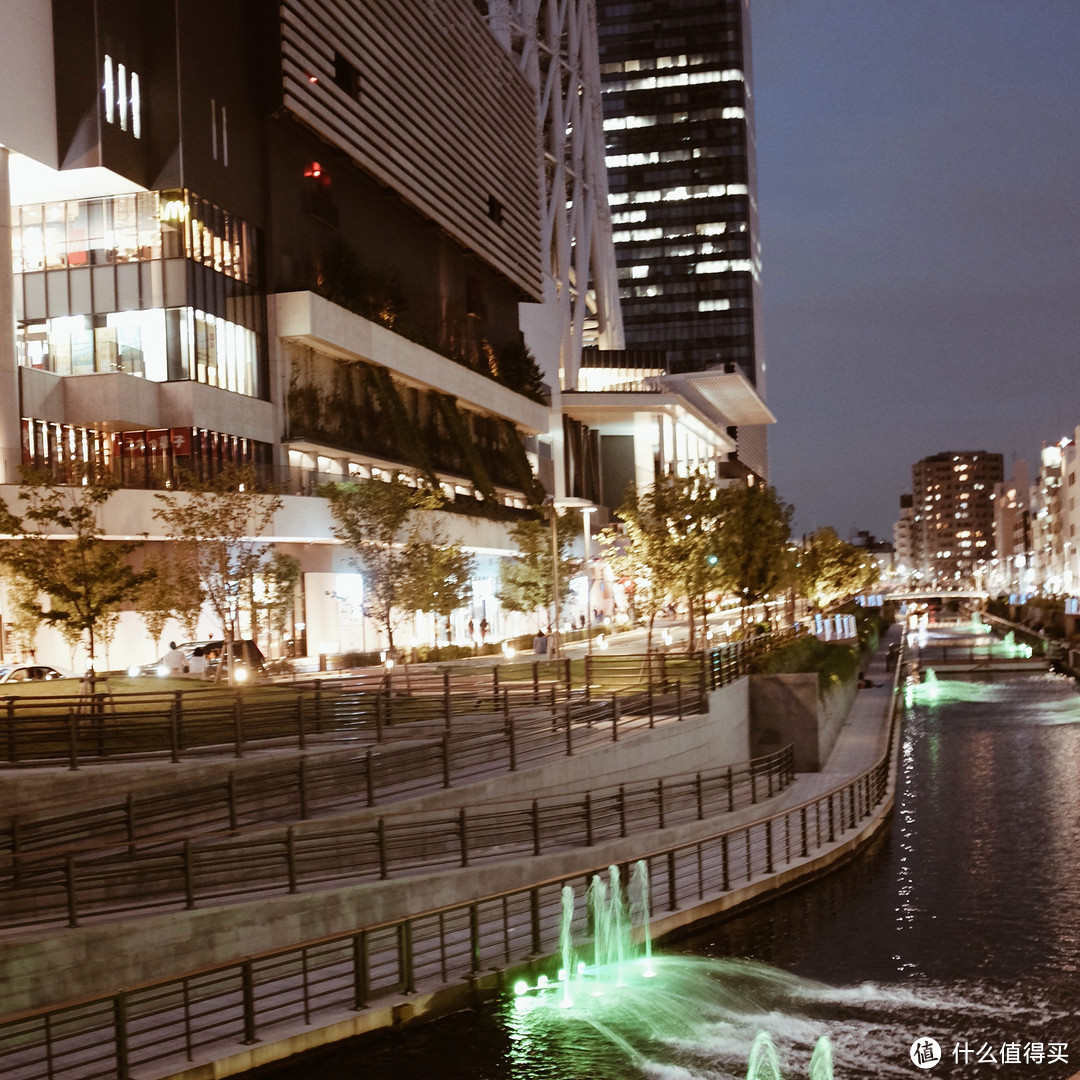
{"x": 554, "y": 506}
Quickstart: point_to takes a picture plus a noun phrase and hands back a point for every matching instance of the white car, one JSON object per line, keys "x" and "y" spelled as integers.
{"x": 18, "y": 673}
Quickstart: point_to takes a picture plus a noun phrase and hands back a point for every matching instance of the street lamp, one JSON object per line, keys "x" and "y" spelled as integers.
{"x": 554, "y": 506}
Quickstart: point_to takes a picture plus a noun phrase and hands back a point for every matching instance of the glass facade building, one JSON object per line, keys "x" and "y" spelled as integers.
{"x": 679, "y": 135}
{"x": 159, "y": 284}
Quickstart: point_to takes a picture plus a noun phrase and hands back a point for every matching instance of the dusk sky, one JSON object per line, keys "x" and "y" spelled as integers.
{"x": 918, "y": 183}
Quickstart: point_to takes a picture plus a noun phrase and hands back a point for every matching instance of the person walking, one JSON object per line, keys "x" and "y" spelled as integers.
{"x": 174, "y": 660}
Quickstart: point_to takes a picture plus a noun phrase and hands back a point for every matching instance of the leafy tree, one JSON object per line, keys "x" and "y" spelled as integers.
{"x": 24, "y": 613}
{"x": 439, "y": 575}
{"x": 676, "y": 521}
{"x": 831, "y": 569}
{"x": 172, "y": 590}
{"x": 218, "y": 526}
{"x": 85, "y": 576}
{"x": 751, "y": 541}
{"x": 525, "y": 581}
{"x": 280, "y": 577}
{"x": 376, "y": 521}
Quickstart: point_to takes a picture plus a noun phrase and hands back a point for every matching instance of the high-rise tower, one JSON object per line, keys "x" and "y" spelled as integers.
{"x": 678, "y": 109}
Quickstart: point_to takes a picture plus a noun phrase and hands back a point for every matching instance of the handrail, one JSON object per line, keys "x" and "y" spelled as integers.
{"x": 99, "y": 728}
{"x": 68, "y": 883}
{"x": 212, "y": 1011}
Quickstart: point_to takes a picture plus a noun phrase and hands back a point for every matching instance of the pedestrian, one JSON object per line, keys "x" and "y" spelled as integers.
{"x": 197, "y": 663}
{"x": 484, "y": 630}
{"x": 472, "y": 631}
{"x": 174, "y": 660}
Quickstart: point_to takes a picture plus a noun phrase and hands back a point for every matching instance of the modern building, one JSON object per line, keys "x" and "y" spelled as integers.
{"x": 953, "y": 522}
{"x": 1012, "y": 532}
{"x": 679, "y": 125}
{"x": 903, "y": 539}
{"x": 274, "y": 235}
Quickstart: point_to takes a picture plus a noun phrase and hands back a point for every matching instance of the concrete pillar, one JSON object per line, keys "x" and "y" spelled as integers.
{"x": 10, "y": 412}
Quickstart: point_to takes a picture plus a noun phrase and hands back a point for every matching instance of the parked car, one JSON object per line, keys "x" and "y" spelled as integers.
{"x": 17, "y": 673}
{"x": 247, "y": 655}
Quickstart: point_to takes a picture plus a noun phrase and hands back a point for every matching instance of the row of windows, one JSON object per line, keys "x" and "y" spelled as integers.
{"x": 680, "y": 193}
{"x": 132, "y": 228}
{"x": 158, "y": 458}
{"x": 650, "y": 63}
{"x": 161, "y": 345}
{"x": 630, "y": 123}
{"x": 682, "y": 78}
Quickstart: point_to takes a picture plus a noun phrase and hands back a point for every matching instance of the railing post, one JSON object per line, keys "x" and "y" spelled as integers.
{"x": 753, "y": 783}
{"x": 407, "y": 955}
{"x": 290, "y": 857}
{"x": 13, "y": 750}
{"x": 673, "y": 899}
{"x": 534, "y": 919}
{"x": 702, "y": 687}
{"x": 69, "y": 882}
{"x": 238, "y": 723}
{"x": 652, "y": 703}
{"x": 615, "y": 717}
{"x": 446, "y": 759}
{"x": 380, "y": 833}
{"x": 805, "y": 837}
{"x": 536, "y": 680}
{"x": 318, "y": 705}
{"x": 622, "y": 811}
{"x": 768, "y": 846}
{"x": 189, "y": 876}
{"x": 569, "y": 677}
{"x": 511, "y": 739}
{"x": 230, "y": 798}
{"x": 73, "y": 741}
{"x": 700, "y": 800}
{"x": 446, "y": 697}
{"x": 378, "y": 716}
{"x": 463, "y": 831}
{"x": 678, "y": 697}
{"x": 247, "y": 985}
{"x": 536, "y": 826}
{"x": 588, "y": 675}
{"x": 569, "y": 729}
{"x": 301, "y": 734}
{"x": 369, "y": 777}
{"x": 730, "y": 789}
{"x": 175, "y": 712}
{"x": 660, "y": 802}
{"x": 724, "y": 865}
{"x": 588, "y": 820}
{"x": 832, "y": 820}
{"x": 495, "y": 682}
{"x": 360, "y": 970}
{"x": 301, "y": 787}
{"x": 120, "y": 1036}
{"x": 129, "y": 823}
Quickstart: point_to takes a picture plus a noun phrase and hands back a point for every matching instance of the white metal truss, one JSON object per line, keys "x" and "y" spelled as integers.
{"x": 555, "y": 44}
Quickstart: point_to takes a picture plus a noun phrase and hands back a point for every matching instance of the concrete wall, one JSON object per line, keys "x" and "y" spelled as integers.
{"x": 788, "y": 709}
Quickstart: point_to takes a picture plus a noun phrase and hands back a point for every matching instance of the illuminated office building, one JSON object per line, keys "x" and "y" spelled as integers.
{"x": 679, "y": 128}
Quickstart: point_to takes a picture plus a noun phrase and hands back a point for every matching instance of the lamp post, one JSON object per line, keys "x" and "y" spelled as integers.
{"x": 554, "y": 506}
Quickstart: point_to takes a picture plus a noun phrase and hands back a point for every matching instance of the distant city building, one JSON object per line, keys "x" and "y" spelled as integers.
{"x": 953, "y": 521}
{"x": 1050, "y": 545}
{"x": 904, "y": 538}
{"x": 678, "y": 108}
{"x": 1012, "y": 532}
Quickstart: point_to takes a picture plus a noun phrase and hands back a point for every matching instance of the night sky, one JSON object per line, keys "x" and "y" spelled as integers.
{"x": 918, "y": 182}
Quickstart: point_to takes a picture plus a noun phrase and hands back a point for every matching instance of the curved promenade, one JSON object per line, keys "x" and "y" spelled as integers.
{"x": 229, "y": 1017}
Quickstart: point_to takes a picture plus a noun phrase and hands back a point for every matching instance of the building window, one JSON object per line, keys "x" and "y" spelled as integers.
{"x": 122, "y": 97}
{"x": 495, "y": 210}
{"x": 346, "y": 76}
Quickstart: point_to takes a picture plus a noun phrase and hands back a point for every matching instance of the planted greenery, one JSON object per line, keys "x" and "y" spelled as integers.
{"x": 834, "y": 664}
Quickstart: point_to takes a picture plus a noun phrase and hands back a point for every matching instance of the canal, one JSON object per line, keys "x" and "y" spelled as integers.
{"x": 961, "y": 925}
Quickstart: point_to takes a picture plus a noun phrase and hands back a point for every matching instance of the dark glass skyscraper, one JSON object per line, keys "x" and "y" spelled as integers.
{"x": 680, "y": 151}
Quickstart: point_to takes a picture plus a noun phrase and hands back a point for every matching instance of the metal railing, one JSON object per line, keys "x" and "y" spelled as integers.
{"x": 85, "y": 729}
{"x": 732, "y": 661}
{"x": 66, "y": 881}
{"x": 157, "y": 1028}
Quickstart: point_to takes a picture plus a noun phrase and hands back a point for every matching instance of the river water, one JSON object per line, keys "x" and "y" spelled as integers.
{"x": 961, "y": 924}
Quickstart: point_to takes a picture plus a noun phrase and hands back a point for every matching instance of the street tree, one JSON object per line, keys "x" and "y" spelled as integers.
{"x": 676, "y": 519}
{"x": 439, "y": 579}
{"x": 85, "y": 576}
{"x": 172, "y": 590}
{"x": 751, "y": 541}
{"x": 218, "y": 526}
{"x": 831, "y": 569}
{"x": 525, "y": 581}
{"x": 281, "y": 575}
{"x": 377, "y": 522}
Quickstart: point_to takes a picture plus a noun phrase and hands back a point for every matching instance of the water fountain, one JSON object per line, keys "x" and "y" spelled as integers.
{"x": 640, "y": 1003}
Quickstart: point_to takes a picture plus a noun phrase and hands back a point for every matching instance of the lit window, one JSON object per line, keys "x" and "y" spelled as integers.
{"x": 714, "y": 305}
{"x": 136, "y": 107}
{"x": 109, "y": 91}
